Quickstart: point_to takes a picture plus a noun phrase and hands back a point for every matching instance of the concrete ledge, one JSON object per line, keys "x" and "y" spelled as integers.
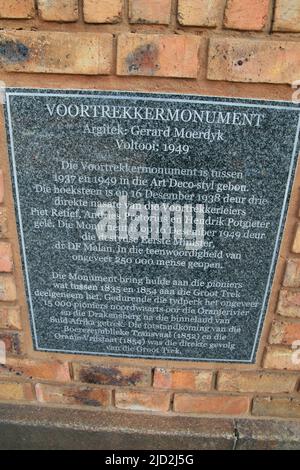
{"x": 269, "y": 434}
{"x": 33, "y": 427}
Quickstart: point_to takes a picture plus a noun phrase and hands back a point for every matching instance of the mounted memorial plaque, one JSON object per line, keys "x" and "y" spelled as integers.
{"x": 149, "y": 224}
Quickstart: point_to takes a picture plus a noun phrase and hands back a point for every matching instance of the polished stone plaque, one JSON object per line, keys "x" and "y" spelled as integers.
{"x": 149, "y": 224}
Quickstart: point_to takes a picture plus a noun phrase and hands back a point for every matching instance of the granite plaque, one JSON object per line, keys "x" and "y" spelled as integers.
{"x": 149, "y": 224}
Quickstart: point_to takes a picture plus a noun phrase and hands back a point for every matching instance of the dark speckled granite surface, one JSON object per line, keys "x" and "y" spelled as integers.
{"x": 71, "y": 151}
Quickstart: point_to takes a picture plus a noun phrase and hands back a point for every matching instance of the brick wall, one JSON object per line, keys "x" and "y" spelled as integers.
{"x": 235, "y": 48}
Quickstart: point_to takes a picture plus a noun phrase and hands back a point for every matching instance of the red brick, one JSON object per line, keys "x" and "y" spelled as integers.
{"x": 282, "y": 358}
{"x": 58, "y": 10}
{"x": 17, "y": 9}
{"x": 102, "y": 11}
{"x": 105, "y": 375}
{"x": 10, "y": 318}
{"x": 12, "y": 342}
{"x": 285, "y": 333}
{"x": 276, "y": 407}
{"x": 6, "y": 259}
{"x": 158, "y": 55}
{"x": 214, "y": 404}
{"x": 292, "y": 273}
{"x": 1, "y": 187}
{"x": 55, "y": 52}
{"x": 296, "y": 244}
{"x": 251, "y": 15}
{"x": 287, "y": 16}
{"x": 289, "y": 303}
{"x": 15, "y": 392}
{"x": 150, "y": 11}
{"x": 8, "y": 291}
{"x": 41, "y": 370}
{"x": 183, "y": 379}
{"x": 246, "y": 382}
{"x": 143, "y": 401}
{"x": 71, "y": 395}
{"x": 253, "y": 60}
{"x": 206, "y": 13}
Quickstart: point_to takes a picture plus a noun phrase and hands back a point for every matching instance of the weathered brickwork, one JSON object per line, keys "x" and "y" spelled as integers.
{"x": 249, "y": 15}
{"x": 10, "y": 317}
{"x": 203, "y": 46}
{"x": 13, "y": 391}
{"x": 102, "y": 11}
{"x": 253, "y": 60}
{"x": 162, "y": 53}
{"x": 8, "y": 290}
{"x": 287, "y": 16}
{"x": 73, "y": 395}
{"x": 150, "y": 11}
{"x": 104, "y": 375}
{"x": 157, "y": 55}
{"x": 58, "y": 10}
{"x": 69, "y": 53}
{"x": 205, "y": 13}
{"x": 6, "y": 261}
{"x": 16, "y": 9}
{"x": 31, "y": 369}
{"x": 143, "y": 401}
{"x": 211, "y": 404}
{"x": 183, "y": 379}
{"x": 282, "y": 407}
